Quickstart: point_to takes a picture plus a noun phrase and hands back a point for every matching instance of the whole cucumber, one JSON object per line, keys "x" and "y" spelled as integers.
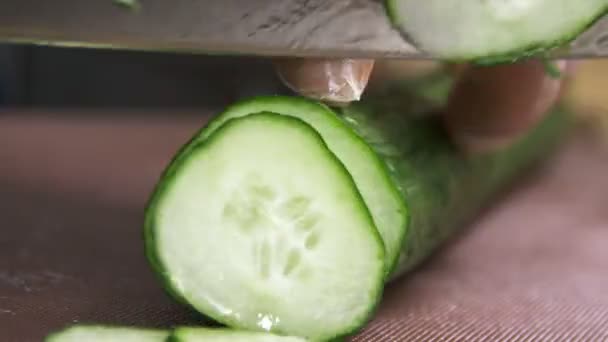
{"x": 442, "y": 187}
{"x": 285, "y": 215}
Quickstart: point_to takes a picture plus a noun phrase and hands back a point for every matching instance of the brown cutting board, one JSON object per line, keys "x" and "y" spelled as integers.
{"x": 534, "y": 267}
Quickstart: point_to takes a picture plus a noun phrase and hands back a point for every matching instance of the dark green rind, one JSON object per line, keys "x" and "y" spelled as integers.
{"x": 55, "y": 336}
{"x": 442, "y": 188}
{"x": 171, "y": 171}
{"x": 519, "y": 53}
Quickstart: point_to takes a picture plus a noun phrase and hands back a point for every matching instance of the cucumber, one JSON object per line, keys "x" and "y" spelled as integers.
{"x": 492, "y": 31}
{"x": 298, "y": 149}
{"x": 367, "y": 169}
{"x": 100, "y": 333}
{"x": 261, "y": 227}
{"x": 95, "y": 333}
{"x": 187, "y": 334}
{"x": 442, "y": 188}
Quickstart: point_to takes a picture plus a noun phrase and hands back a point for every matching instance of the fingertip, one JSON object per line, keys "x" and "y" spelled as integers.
{"x": 335, "y": 81}
{"x": 491, "y": 107}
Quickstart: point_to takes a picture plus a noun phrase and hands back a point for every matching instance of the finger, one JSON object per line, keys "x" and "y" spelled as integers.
{"x": 389, "y": 70}
{"x": 491, "y": 107}
{"x": 335, "y": 81}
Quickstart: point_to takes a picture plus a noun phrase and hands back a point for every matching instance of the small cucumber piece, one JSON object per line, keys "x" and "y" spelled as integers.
{"x": 95, "y": 333}
{"x": 226, "y": 335}
{"x": 261, "y": 228}
{"x": 133, "y": 5}
{"x": 492, "y": 31}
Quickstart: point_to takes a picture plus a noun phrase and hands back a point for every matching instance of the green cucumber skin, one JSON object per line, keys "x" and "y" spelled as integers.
{"x": 150, "y": 240}
{"x": 538, "y": 49}
{"x": 442, "y": 188}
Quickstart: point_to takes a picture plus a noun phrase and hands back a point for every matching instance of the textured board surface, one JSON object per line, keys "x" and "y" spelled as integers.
{"x": 531, "y": 268}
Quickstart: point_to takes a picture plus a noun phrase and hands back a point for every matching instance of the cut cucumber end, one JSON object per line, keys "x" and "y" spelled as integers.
{"x": 93, "y": 333}
{"x": 495, "y": 31}
{"x": 262, "y": 228}
{"x": 226, "y": 335}
{"x": 369, "y": 172}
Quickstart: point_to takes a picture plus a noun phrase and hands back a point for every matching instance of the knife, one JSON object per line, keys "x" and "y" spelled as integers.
{"x": 294, "y": 28}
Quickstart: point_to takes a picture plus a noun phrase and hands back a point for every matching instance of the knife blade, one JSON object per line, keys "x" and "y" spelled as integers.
{"x": 293, "y": 28}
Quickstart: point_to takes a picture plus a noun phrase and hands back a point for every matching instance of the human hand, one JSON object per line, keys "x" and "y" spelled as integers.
{"x": 488, "y": 108}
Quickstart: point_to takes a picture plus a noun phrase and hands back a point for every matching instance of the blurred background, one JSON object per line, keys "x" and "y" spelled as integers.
{"x": 67, "y": 114}
{"x": 72, "y": 77}
{"x": 85, "y": 82}
{"x": 65, "y": 77}
{"x": 33, "y": 76}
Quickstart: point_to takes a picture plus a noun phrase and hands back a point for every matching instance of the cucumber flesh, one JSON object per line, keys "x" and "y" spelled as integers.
{"x": 367, "y": 169}
{"x": 107, "y": 334}
{"x": 493, "y": 30}
{"x": 226, "y": 335}
{"x": 262, "y": 228}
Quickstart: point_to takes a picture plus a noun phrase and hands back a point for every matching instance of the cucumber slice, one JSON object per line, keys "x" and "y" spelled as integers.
{"x": 262, "y": 228}
{"x": 226, "y": 335}
{"x": 93, "y": 333}
{"x": 492, "y": 31}
{"x": 367, "y": 169}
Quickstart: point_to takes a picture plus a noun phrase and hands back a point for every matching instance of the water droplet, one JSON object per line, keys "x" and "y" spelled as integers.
{"x": 267, "y": 322}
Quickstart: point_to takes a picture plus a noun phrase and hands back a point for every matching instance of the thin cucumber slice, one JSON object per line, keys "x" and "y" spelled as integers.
{"x": 94, "y": 333}
{"x": 494, "y": 30}
{"x": 262, "y": 228}
{"x": 367, "y": 169}
{"x": 227, "y": 335}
